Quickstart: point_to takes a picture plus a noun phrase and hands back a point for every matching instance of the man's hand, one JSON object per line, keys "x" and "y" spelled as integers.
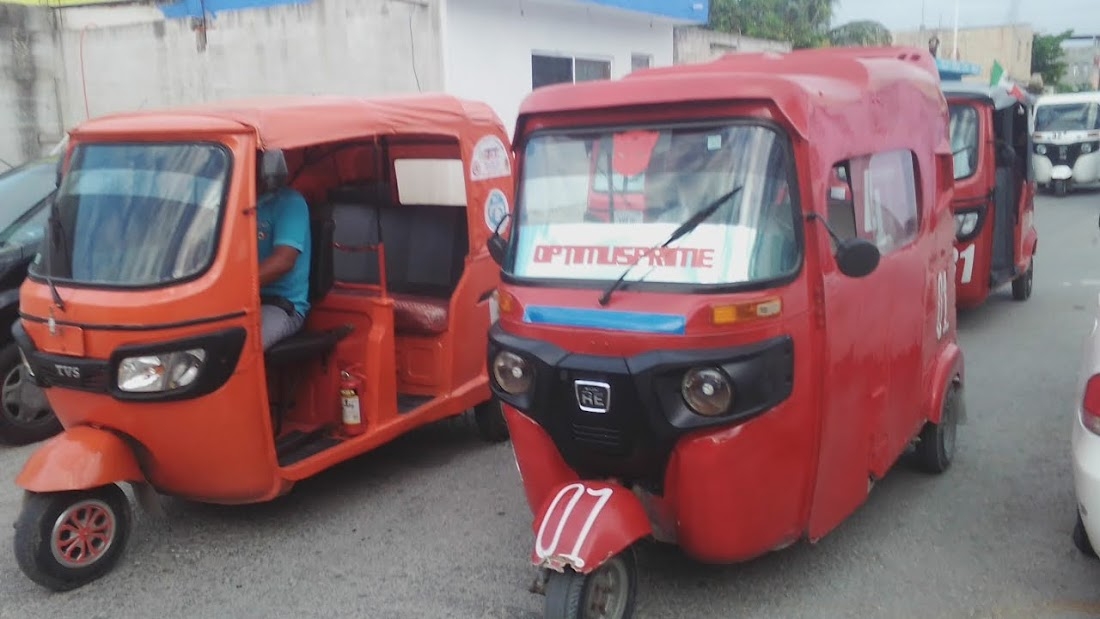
{"x": 278, "y": 264}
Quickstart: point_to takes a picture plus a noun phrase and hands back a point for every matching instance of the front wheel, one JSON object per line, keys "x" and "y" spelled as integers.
{"x": 65, "y": 540}
{"x": 1060, "y": 187}
{"x": 1021, "y": 286}
{"x": 936, "y": 445}
{"x": 608, "y": 592}
{"x": 489, "y": 418}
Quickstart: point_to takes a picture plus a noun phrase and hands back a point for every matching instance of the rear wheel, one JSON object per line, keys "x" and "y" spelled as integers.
{"x": 1081, "y": 538}
{"x": 65, "y": 540}
{"x": 608, "y": 592}
{"x": 1021, "y": 286}
{"x": 936, "y": 445}
{"x": 25, "y": 414}
{"x": 489, "y": 418}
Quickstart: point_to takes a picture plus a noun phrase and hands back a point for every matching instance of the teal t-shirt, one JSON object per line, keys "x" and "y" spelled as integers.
{"x": 282, "y": 218}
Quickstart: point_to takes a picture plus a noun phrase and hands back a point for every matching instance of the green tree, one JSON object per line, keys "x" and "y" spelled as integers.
{"x": 860, "y": 33}
{"x": 802, "y": 23}
{"x": 1047, "y": 58}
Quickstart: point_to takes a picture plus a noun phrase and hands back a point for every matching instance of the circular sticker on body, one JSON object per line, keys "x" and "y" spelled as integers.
{"x": 496, "y": 210}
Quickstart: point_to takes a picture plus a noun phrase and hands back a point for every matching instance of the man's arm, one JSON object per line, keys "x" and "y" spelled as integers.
{"x": 291, "y": 230}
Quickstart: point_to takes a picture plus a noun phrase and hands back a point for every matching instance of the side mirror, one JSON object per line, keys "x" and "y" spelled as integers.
{"x": 498, "y": 247}
{"x": 857, "y": 257}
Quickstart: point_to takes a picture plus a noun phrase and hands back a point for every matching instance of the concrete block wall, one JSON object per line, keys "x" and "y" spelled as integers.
{"x": 694, "y": 44}
{"x": 60, "y": 66}
{"x": 29, "y": 112}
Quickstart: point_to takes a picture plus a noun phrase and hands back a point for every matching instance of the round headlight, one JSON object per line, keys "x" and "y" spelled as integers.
{"x": 1086, "y": 148}
{"x": 707, "y": 391}
{"x": 1041, "y": 149}
{"x": 512, "y": 373}
{"x": 965, "y": 223}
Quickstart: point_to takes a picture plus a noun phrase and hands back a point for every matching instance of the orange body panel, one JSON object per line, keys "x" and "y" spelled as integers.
{"x": 221, "y": 447}
{"x": 79, "y": 459}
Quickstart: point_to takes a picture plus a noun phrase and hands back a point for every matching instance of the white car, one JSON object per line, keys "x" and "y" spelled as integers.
{"x": 1086, "y": 445}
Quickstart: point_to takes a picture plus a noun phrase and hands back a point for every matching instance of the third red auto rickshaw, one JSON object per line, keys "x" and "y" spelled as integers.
{"x": 734, "y": 371}
{"x": 142, "y": 319}
{"x": 994, "y": 203}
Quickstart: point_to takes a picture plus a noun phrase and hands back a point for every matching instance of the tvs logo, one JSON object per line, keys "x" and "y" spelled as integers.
{"x": 592, "y": 397}
{"x": 68, "y": 371}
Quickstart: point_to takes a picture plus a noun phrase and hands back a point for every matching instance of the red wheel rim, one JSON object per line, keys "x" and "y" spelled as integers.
{"x": 83, "y": 533}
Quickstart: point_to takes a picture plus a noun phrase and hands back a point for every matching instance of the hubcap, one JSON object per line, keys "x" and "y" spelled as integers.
{"x": 22, "y": 401}
{"x": 83, "y": 533}
{"x": 606, "y": 591}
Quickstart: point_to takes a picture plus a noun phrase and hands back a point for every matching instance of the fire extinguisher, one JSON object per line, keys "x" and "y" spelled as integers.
{"x": 350, "y": 387}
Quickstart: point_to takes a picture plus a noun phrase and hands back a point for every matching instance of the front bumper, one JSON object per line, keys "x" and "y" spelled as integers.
{"x": 633, "y": 438}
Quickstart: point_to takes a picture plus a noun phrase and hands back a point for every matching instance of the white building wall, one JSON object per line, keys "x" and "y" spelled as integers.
{"x": 489, "y": 43}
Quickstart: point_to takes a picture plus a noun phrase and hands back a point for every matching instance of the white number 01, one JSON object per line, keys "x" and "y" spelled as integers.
{"x": 967, "y": 256}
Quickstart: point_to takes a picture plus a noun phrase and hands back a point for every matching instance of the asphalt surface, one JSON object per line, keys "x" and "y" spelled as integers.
{"x": 435, "y": 525}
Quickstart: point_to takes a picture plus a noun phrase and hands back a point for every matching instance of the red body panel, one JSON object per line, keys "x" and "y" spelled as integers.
{"x": 872, "y": 356}
{"x": 974, "y": 255}
{"x": 79, "y": 459}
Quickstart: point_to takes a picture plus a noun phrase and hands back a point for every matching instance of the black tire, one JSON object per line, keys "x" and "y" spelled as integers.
{"x": 1081, "y": 539}
{"x": 25, "y": 415}
{"x": 1060, "y": 188}
{"x": 1021, "y": 286}
{"x": 936, "y": 445}
{"x": 489, "y": 418}
{"x": 40, "y": 545}
{"x": 569, "y": 594}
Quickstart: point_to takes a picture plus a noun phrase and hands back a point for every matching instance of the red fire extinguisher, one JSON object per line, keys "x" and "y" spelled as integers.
{"x": 350, "y": 388}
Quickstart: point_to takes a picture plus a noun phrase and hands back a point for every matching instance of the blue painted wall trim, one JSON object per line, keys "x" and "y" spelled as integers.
{"x": 955, "y": 70}
{"x": 693, "y": 11}
{"x": 690, "y": 11}
{"x": 639, "y": 322}
{"x": 193, "y": 8}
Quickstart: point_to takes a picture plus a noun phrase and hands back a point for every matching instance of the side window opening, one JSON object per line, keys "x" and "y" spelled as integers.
{"x": 886, "y": 199}
{"x": 841, "y": 203}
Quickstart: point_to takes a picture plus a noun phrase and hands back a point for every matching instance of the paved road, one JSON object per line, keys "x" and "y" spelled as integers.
{"x": 435, "y": 524}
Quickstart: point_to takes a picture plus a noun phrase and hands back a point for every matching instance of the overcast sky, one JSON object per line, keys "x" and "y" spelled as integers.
{"x": 1048, "y": 16}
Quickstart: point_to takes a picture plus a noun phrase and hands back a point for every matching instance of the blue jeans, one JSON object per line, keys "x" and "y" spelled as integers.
{"x": 276, "y": 324}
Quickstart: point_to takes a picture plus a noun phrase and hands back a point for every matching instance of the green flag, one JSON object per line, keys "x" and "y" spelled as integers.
{"x": 997, "y": 74}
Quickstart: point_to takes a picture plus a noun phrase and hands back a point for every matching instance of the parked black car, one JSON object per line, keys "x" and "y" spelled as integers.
{"x": 25, "y": 194}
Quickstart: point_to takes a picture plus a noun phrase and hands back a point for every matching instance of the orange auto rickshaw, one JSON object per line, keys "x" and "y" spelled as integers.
{"x": 734, "y": 375}
{"x": 994, "y": 204}
{"x": 140, "y": 318}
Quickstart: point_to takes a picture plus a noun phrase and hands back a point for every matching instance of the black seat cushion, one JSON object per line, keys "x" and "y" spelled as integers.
{"x": 305, "y": 345}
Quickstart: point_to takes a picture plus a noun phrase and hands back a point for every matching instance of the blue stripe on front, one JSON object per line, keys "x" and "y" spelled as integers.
{"x": 641, "y": 322}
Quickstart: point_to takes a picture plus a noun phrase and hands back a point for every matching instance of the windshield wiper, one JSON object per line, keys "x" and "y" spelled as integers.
{"x": 684, "y": 228}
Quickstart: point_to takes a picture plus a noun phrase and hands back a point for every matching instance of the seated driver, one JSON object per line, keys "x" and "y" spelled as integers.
{"x": 282, "y": 222}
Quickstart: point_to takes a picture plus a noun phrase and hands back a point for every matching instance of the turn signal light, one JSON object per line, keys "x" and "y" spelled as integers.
{"x": 1090, "y": 405}
{"x": 743, "y": 312}
{"x": 505, "y": 301}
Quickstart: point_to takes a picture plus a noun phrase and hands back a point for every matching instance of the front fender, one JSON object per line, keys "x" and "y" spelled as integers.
{"x": 949, "y": 368}
{"x": 79, "y": 458}
{"x": 586, "y": 523}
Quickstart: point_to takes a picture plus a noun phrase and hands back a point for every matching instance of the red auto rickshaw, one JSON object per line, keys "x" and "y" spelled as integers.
{"x": 142, "y": 319}
{"x": 994, "y": 204}
{"x": 737, "y": 377}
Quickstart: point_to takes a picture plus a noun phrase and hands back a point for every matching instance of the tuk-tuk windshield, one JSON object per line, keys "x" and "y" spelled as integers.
{"x": 1067, "y": 117}
{"x": 572, "y": 224}
{"x": 964, "y": 140}
{"x": 136, "y": 214}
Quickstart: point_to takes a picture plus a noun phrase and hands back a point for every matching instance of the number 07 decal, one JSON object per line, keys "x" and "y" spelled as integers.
{"x": 579, "y": 496}
{"x": 943, "y": 325}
